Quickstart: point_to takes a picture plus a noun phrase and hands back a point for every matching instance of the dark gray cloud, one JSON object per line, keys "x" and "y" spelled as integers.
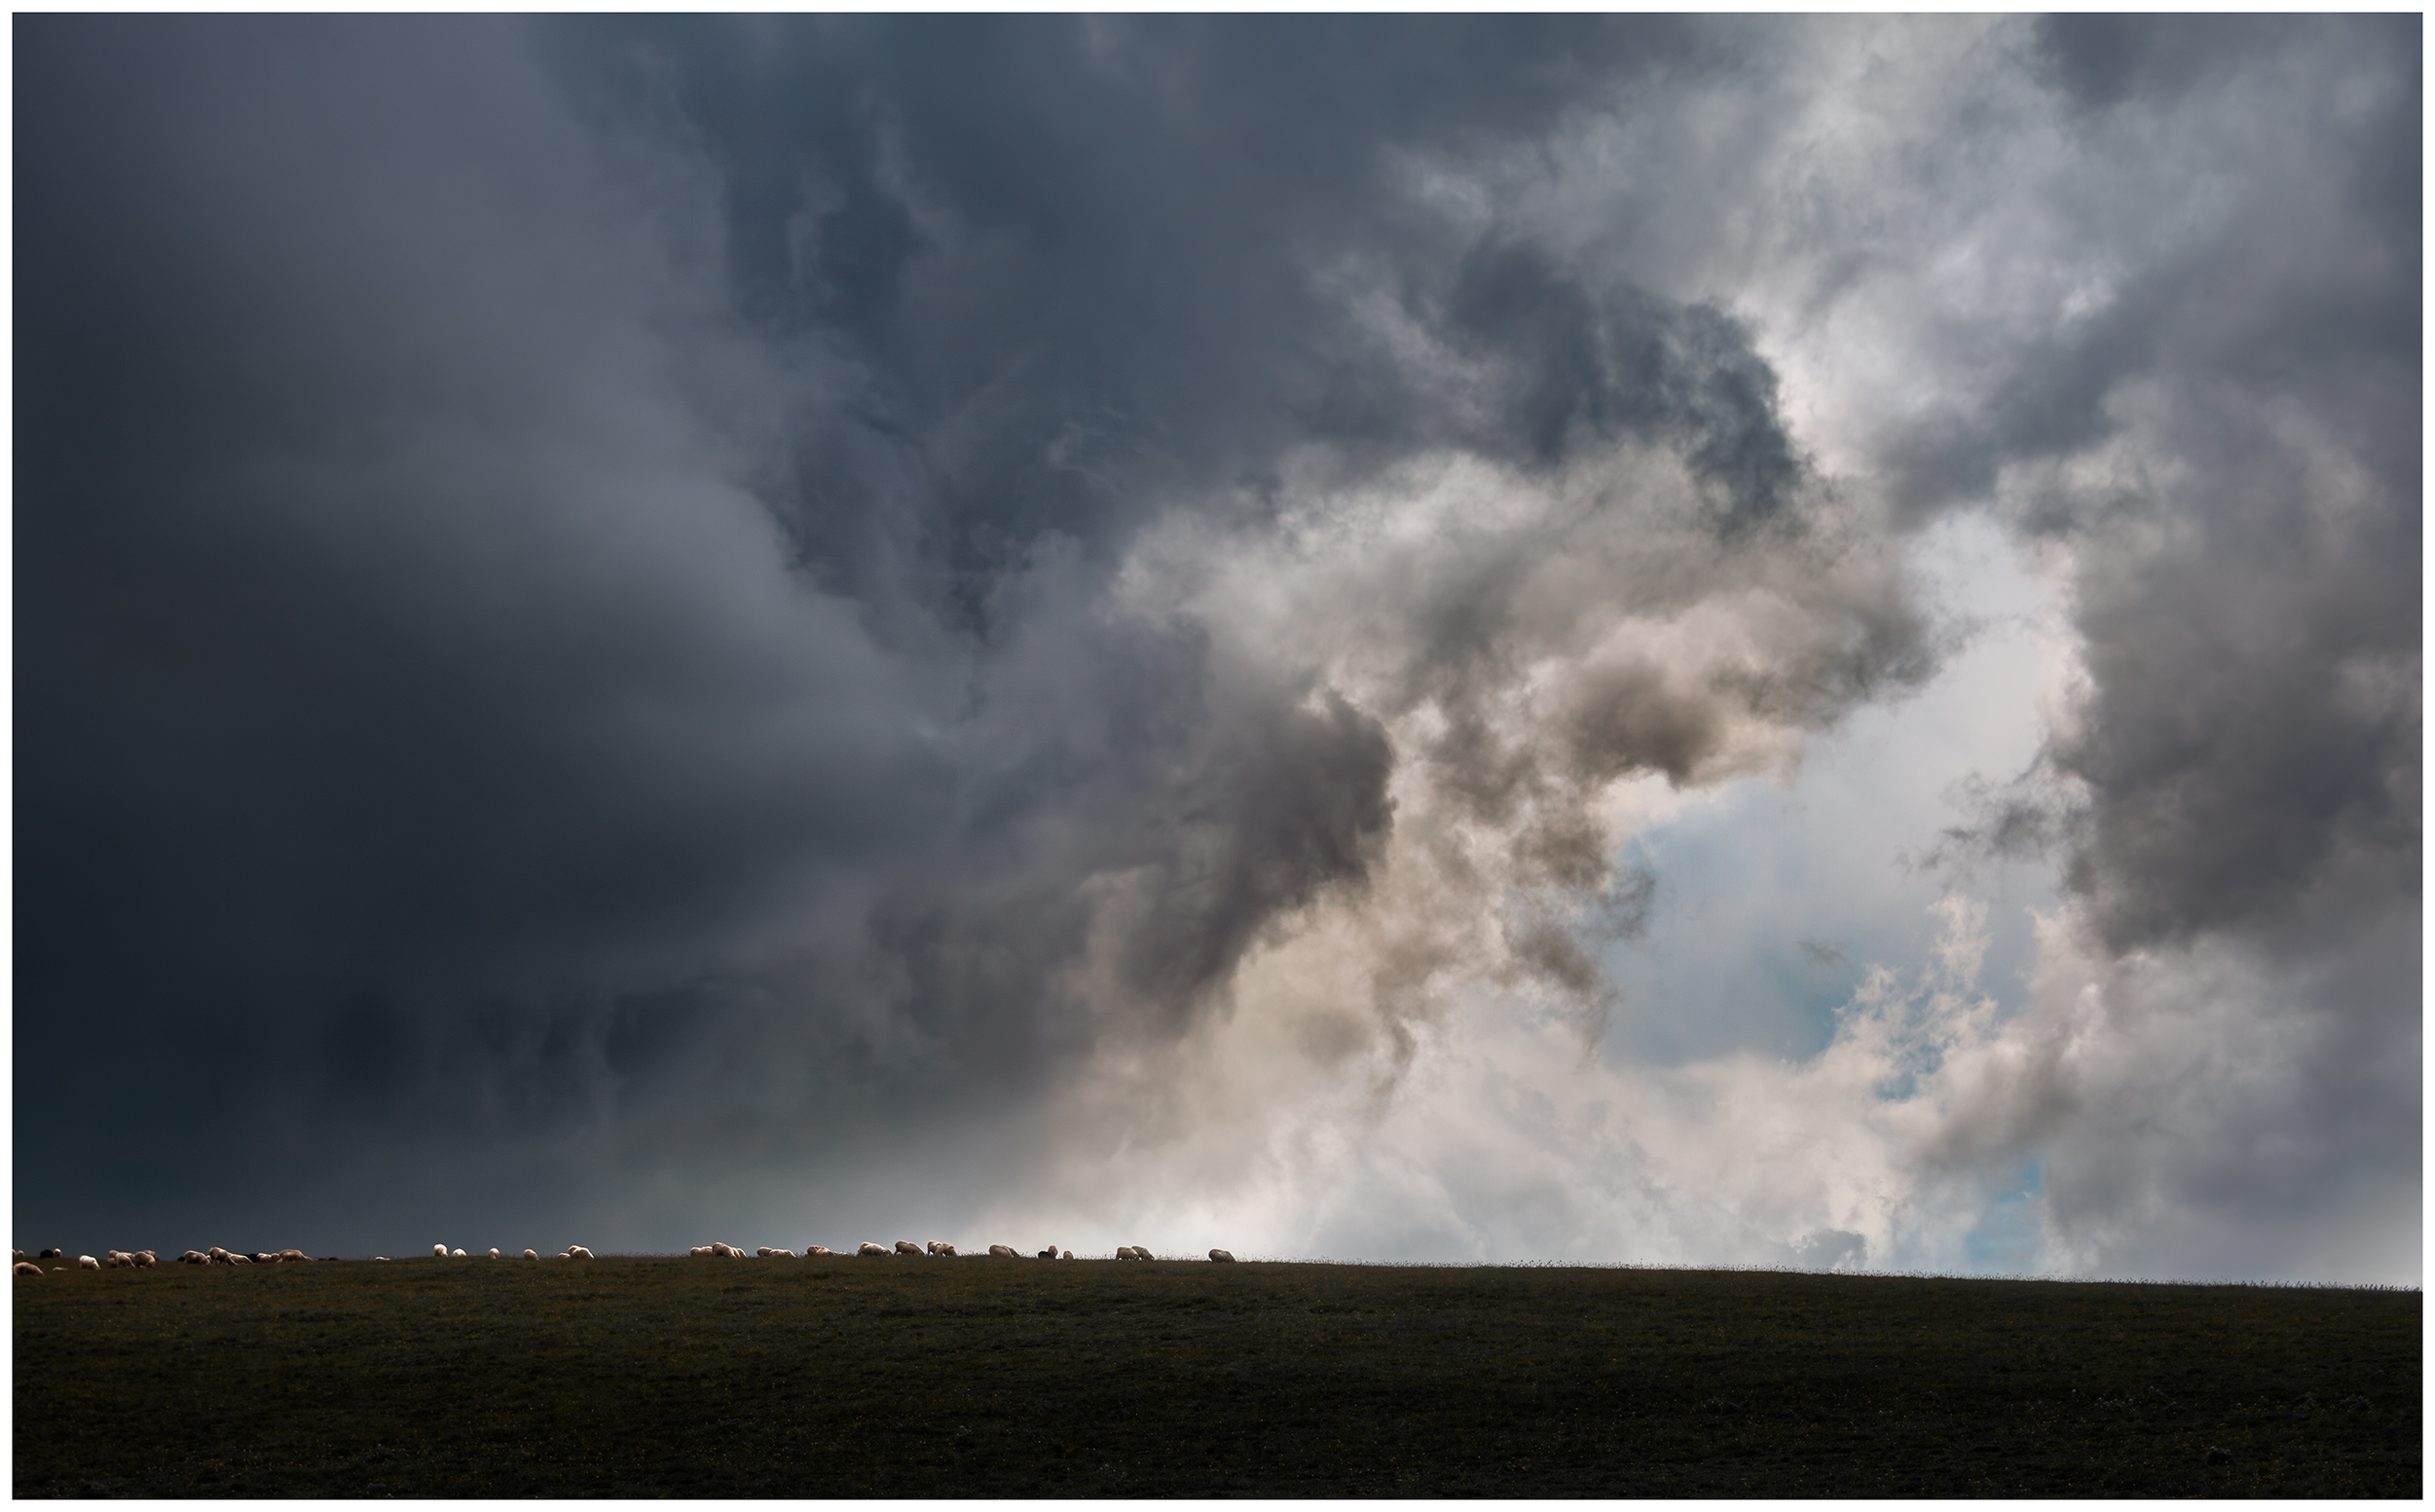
{"x": 2222, "y": 447}
{"x": 607, "y": 607}
{"x": 1569, "y": 363}
{"x": 552, "y": 559}
{"x": 2251, "y": 601}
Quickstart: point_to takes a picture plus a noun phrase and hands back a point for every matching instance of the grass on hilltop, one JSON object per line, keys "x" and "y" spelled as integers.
{"x": 989, "y": 1377}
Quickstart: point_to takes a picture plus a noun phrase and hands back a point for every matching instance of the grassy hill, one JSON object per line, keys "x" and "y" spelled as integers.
{"x": 979, "y": 1377}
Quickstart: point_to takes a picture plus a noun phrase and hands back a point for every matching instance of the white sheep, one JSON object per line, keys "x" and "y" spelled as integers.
{"x": 908, "y": 1247}
{"x": 87, "y": 1263}
{"x": 1222, "y": 1256}
{"x": 439, "y": 1252}
{"x": 868, "y": 1248}
{"x": 456, "y": 1254}
{"x": 810, "y": 1250}
{"x": 493, "y": 1252}
{"x": 767, "y": 1252}
{"x": 26, "y": 1267}
{"x": 577, "y": 1252}
{"x": 529, "y": 1255}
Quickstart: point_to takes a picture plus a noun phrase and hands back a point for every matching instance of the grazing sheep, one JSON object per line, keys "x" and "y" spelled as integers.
{"x": 772, "y": 1252}
{"x": 577, "y": 1252}
{"x": 194, "y": 1257}
{"x": 1051, "y": 1253}
{"x": 26, "y": 1267}
{"x": 87, "y": 1263}
{"x": 908, "y": 1247}
{"x": 456, "y": 1254}
{"x": 115, "y": 1258}
{"x": 52, "y": 1254}
{"x": 947, "y": 1250}
{"x": 493, "y": 1252}
{"x": 1006, "y": 1251}
{"x": 439, "y": 1252}
{"x": 1069, "y": 1254}
{"x": 240, "y": 1260}
{"x": 145, "y": 1257}
{"x": 868, "y": 1248}
{"x": 291, "y": 1257}
{"x": 529, "y": 1255}
{"x": 1223, "y": 1256}
{"x": 699, "y": 1252}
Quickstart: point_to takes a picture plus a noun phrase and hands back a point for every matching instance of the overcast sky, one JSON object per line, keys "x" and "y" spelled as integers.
{"x": 1752, "y": 642}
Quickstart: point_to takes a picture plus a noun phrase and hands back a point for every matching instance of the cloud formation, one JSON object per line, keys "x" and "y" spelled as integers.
{"x": 658, "y": 622}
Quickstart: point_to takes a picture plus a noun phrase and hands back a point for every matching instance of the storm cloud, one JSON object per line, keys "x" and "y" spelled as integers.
{"x": 648, "y": 623}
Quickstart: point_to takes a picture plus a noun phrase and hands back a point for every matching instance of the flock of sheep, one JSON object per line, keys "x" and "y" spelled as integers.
{"x": 907, "y": 1247}
{"x": 142, "y": 1259}
{"x": 215, "y": 1256}
{"x": 115, "y": 1259}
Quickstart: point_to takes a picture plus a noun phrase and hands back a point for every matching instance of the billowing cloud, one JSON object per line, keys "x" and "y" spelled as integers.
{"x": 662, "y": 623}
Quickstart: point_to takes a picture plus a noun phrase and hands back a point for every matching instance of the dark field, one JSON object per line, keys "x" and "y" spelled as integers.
{"x": 976, "y": 1376}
